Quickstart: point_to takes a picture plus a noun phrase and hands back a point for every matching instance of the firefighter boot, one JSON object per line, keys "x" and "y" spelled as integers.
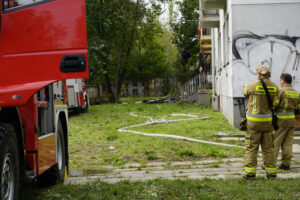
{"x": 284, "y": 167}
{"x": 271, "y": 176}
{"x": 249, "y": 176}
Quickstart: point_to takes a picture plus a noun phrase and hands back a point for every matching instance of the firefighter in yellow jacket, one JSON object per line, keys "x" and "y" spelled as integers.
{"x": 287, "y": 102}
{"x": 259, "y": 125}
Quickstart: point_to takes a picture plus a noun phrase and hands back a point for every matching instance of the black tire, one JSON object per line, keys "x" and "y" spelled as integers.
{"x": 56, "y": 174}
{"x": 61, "y": 153}
{"x": 9, "y": 163}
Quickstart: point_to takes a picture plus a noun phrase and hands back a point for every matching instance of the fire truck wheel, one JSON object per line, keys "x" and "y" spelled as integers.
{"x": 9, "y": 163}
{"x": 61, "y": 153}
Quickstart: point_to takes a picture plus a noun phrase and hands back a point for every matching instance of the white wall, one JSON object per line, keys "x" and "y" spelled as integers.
{"x": 225, "y": 57}
{"x": 265, "y": 34}
{"x": 259, "y": 31}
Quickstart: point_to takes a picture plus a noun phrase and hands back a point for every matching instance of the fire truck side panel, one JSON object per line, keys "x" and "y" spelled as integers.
{"x": 28, "y": 113}
{"x": 40, "y": 45}
{"x": 74, "y": 83}
{"x": 72, "y": 102}
{"x": 38, "y": 24}
{"x": 18, "y": 95}
{"x": 41, "y": 150}
{"x": 46, "y": 152}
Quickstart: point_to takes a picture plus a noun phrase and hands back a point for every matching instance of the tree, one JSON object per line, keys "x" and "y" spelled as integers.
{"x": 186, "y": 39}
{"x": 117, "y": 29}
{"x": 171, "y": 51}
{"x": 100, "y": 22}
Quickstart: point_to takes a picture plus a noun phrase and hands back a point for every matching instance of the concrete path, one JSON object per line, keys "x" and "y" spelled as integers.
{"x": 215, "y": 169}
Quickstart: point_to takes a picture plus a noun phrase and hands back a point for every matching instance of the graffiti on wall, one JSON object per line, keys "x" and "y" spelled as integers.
{"x": 280, "y": 52}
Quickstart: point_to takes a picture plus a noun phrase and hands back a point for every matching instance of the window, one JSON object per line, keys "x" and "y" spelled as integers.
{"x": 8, "y": 4}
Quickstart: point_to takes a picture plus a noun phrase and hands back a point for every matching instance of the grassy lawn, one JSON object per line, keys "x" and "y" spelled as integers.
{"x": 94, "y": 139}
{"x": 178, "y": 189}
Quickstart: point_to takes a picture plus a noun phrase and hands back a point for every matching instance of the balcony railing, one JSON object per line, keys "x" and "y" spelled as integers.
{"x": 191, "y": 87}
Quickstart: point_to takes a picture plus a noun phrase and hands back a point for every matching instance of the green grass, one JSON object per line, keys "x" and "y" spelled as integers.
{"x": 197, "y": 129}
{"x": 259, "y": 189}
{"x": 94, "y": 139}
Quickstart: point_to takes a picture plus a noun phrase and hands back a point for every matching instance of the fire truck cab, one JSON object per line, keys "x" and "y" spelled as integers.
{"x": 41, "y": 42}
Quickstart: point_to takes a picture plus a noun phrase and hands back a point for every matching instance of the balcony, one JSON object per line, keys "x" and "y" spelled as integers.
{"x": 209, "y": 13}
{"x": 212, "y": 4}
{"x": 205, "y": 44}
{"x": 209, "y": 19}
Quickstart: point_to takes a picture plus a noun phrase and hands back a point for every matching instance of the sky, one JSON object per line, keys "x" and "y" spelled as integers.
{"x": 164, "y": 18}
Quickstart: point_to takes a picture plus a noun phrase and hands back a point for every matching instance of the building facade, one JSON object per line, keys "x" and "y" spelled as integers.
{"x": 246, "y": 33}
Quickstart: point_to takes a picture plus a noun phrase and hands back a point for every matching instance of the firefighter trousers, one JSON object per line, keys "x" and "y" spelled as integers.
{"x": 284, "y": 138}
{"x": 252, "y": 141}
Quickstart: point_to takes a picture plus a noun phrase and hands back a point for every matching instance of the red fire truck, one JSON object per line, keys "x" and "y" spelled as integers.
{"x": 42, "y": 42}
{"x": 77, "y": 97}
{"x": 72, "y": 92}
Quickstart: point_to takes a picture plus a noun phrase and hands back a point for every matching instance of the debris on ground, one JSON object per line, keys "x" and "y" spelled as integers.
{"x": 161, "y": 100}
{"x": 111, "y": 148}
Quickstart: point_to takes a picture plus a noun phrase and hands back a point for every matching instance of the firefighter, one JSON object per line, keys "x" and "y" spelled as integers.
{"x": 259, "y": 125}
{"x": 286, "y": 102}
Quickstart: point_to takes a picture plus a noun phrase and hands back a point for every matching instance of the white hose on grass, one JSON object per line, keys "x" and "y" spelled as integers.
{"x": 177, "y": 137}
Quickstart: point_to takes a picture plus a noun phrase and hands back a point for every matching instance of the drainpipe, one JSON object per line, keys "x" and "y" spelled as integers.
{"x": 213, "y": 59}
{"x": 200, "y": 10}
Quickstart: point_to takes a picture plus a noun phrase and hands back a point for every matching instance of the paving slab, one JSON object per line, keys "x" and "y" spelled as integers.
{"x": 223, "y": 172}
{"x": 214, "y": 169}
